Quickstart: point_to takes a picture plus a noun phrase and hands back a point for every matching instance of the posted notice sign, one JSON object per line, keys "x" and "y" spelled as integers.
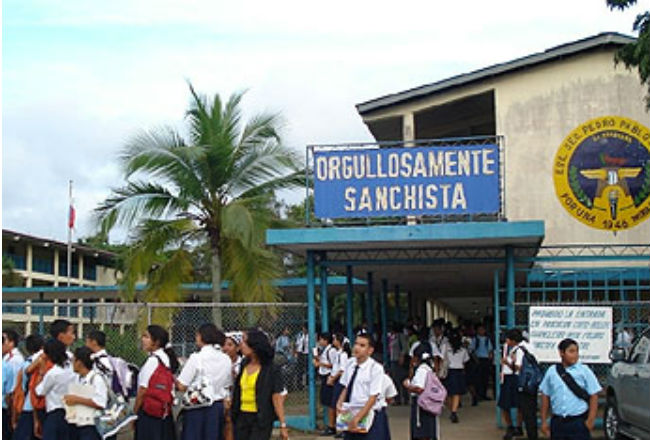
{"x": 590, "y": 326}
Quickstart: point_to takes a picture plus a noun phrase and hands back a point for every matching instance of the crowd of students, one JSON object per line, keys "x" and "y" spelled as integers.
{"x": 231, "y": 387}
{"x": 458, "y": 360}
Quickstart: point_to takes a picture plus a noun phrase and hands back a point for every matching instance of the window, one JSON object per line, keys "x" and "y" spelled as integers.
{"x": 640, "y": 350}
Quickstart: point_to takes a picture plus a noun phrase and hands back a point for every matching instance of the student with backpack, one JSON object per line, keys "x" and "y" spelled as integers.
{"x": 24, "y": 428}
{"x": 84, "y": 428}
{"x": 324, "y": 362}
{"x": 424, "y": 425}
{"x": 96, "y": 342}
{"x": 153, "y": 403}
{"x": 53, "y": 387}
{"x": 509, "y": 397}
{"x": 529, "y": 376}
{"x": 206, "y": 378}
{"x": 571, "y": 390}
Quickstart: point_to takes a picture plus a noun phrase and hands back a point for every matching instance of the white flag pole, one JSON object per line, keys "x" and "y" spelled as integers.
{"x": 70, "y": 234}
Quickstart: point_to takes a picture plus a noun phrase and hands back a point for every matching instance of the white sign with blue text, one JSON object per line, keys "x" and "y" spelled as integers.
{"x": 591, "y": 327}
{"x": 383, "y": 182}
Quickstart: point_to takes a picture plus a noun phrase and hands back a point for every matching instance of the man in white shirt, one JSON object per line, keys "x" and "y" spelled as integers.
{"x": 302, "y": 354}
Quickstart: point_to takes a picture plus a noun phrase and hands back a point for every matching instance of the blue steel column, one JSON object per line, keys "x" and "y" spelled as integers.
{"x": 384, "y": 317}
{"x": 325, "y": 319}
{"x": 497, "y": 345}
{"x": 398, "y": 312}
{"x": 510, "y": 287}
{"x": 311, "y": 328}
{"x": 370, "y": 305}
{"x": 349, "y": 315}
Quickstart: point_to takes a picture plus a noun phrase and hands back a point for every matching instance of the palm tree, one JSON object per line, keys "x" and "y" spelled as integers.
{"x": 213, "y": 186}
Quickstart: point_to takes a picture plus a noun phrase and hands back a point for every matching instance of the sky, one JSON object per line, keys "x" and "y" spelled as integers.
{"x": 80, "y": 77}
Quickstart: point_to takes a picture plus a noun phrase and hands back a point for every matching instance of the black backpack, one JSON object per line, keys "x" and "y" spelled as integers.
{"x": 530, "y": 374}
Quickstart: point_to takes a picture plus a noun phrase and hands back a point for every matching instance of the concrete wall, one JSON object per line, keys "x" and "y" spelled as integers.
{"x": 535, "y": 109}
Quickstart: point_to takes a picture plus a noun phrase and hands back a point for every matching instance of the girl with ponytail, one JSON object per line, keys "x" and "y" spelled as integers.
{"x": 155, "y": 419}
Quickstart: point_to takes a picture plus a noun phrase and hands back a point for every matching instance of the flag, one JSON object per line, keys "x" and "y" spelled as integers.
{"x": 71, "y": 217}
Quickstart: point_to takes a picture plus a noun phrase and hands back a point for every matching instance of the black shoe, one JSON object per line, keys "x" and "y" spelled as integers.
{"x": 339, "y": 435}
{"x": 453, "y": 417}
{"x": 509, "y": 433}
{"x": 327, "y": 432}
{"x": 518, "y": 432}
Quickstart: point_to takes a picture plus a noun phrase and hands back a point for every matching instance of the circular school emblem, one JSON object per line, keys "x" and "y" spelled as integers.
{"x": 601, "y": 173}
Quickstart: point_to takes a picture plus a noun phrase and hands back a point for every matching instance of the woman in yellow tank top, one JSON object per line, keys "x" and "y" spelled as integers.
{"x": 258, "y": 394}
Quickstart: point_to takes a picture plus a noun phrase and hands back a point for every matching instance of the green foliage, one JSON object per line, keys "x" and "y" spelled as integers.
{"x": 125, "y": 345}
{"x": 9, "y": 276}
{"x": 644, "y": 192}
{"x": 636, "y": 54}
{"x": 577, "y": 189}
{"x": 202, "y": 198}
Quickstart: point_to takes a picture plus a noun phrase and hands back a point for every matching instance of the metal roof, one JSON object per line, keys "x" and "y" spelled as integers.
{"x": 564, "y": 50}
{"x": 56, "y": 243}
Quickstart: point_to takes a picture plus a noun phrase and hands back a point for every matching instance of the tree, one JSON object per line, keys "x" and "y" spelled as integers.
{"x": 212, "y": 187}
{"x": 636, "y": 54}
{"x": 10, "y": 278}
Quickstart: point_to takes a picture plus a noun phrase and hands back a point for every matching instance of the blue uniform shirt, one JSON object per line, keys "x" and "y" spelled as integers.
{"x": 563, "y": 402}
{"x": 27, "y": 406}
{"x": 481, "y": 346}
{"x": 7, "y": 382}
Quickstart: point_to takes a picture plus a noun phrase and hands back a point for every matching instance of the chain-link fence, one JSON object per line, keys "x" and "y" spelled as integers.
{"x": 124, "y": 323}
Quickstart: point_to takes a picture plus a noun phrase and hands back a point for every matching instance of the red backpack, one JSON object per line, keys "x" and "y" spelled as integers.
{"x": 157, "y": 401}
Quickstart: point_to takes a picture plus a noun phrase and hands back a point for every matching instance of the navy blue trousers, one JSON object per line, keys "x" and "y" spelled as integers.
{"x": 203, "y": 423}
{"x": 25, "y": 427}
{"x": 378, "y": 431}
{"x": 85, "y": 433}
{"x": 569, "y": 429}
{"x": 55, "y": 427}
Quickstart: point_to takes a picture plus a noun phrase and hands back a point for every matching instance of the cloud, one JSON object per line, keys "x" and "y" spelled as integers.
{"x": 80, "y": 79}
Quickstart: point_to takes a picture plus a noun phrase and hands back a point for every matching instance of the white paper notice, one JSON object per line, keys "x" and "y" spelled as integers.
{"x": 590, "y": 326}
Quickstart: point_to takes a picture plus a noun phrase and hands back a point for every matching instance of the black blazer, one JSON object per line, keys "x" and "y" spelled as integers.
{"x": 269, "y": 382}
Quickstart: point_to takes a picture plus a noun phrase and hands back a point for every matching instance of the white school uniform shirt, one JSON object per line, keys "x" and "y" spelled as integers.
{"x": 457, "y": 360}
{"x": 100, "y": 392}
{"x": 368, "y": 382}
{"x": 340, "y": 361}
{"x": 212, "y": 364}
{"x": 150, "y": 366}
{"x": 420, "y": 377}
{"x": 326, "y": 356}
{"x": 101, "y": 357}
{"x": 15, "y": 360}
{"x": 519, "y": 357}
{"x": 388, "y": 390}
{"x": 302, "y": 343}
{"x": 54, "y": 386}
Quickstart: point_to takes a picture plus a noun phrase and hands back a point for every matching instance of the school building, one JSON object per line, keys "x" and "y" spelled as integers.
{"x": 521, "y": 184}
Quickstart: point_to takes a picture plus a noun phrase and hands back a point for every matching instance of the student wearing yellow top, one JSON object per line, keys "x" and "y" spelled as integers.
{"x": 258, "y": 394}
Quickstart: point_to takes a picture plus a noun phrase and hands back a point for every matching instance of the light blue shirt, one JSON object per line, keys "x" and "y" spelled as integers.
{"x": 27, "y": 406}
{"x": 7, "y": 382}
{"x": 481, "y": 346}
{"x": 563, "y": 402}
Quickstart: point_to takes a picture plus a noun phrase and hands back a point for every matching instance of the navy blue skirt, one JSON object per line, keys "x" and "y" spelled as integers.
{"x": 326, "y": 391}
{"x": 378, "y": 431}
{"x": 336, "y": 393}
{"x": 25, "y": 428}
{"x": 147, "y": 427}
{"x": 508, "y": 398}
{"x": 456, "y": 383}
{"x": 423, "y": 423}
